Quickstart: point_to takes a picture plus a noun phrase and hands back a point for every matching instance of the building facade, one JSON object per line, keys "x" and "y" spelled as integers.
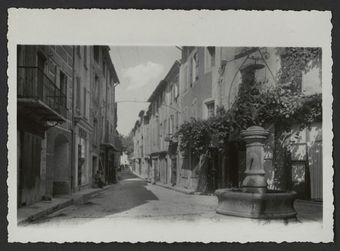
{"x": 196, "y": 101}
{"x": 55, "y": 125}
{"x": 82, "y": 125}
{"x": 103, "y": 114}
{"x": 155, "y": 144}
{"x": 300, "y": 168}
{"x": 209, "y": 79}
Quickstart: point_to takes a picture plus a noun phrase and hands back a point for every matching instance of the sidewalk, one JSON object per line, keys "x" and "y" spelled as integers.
{"x": 177, "y": 189}
{"x": 42, "y": 208}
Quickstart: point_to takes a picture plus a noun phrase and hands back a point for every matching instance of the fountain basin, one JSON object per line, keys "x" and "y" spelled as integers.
{"x": 269, "y": 205}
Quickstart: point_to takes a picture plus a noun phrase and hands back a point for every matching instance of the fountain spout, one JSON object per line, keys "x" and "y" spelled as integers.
{"x": 254, "y": 181}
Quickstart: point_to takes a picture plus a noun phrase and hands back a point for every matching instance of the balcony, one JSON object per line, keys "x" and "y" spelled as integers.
{"x": 113, "y": 142}
{"x": 38, "y": 96}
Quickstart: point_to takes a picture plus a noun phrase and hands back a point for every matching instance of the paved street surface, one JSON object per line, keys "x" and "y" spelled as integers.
{"x": 133, "y": 198}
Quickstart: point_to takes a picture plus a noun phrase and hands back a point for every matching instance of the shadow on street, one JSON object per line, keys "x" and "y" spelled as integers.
{"x": 128, "y": 193}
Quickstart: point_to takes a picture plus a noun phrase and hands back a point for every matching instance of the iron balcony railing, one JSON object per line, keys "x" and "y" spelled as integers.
{"x": 34, "y": 84}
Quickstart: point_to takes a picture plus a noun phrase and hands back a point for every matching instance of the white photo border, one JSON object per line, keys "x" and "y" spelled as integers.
{"x": 172, "y": 27}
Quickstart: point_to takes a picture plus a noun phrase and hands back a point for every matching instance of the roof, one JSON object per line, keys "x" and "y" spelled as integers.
{"x": 141, "y": 113}
{"x": 112, "y": 68}
{"x": 158, "y": 89}
{"x": 162, "y": 84}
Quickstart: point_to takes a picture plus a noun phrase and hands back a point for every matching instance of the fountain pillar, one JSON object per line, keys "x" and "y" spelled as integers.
{"x": 253, "y": 200}
{"x": 254, "y": 181}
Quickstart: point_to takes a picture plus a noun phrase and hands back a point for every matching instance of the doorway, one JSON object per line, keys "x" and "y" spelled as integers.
{"x": 234, "y": 165}
{"x": 29, "y": 158}
{"x": 80, "y": 165}
{"x": 94, "y": 166}
{"x": 300, "y": 179}
{"x": 174, "y": 171}
{"x": 62, "y": 168}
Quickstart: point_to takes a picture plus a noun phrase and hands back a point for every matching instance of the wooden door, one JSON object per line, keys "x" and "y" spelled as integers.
{"x": 315, "y": 163}
{"x": 79, "y": 165}
{"x": 174, "y": 171}
{"x": 29, "y": 169}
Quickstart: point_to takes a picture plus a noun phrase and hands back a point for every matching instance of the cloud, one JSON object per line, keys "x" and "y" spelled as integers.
{"x": 142, "y": 75}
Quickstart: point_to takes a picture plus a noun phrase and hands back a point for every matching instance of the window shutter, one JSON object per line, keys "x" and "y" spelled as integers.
{"x": 186, "y": 77}
{"x": 176, "y": 91}
{"x": 84, "y": 93}
{"x": 78, "y": 93}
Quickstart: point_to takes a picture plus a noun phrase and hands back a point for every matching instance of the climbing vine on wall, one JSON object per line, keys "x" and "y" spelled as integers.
{"x": 283, "y": 104}
{"x": 294, "y": 62}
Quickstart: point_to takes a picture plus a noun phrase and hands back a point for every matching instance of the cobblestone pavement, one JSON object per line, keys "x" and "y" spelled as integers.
{"x": 133, "y": 198}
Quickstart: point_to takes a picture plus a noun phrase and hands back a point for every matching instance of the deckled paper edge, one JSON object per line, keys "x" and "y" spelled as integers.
{"x": 138, "y": 27}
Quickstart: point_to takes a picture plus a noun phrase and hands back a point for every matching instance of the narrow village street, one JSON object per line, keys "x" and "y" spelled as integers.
{"x": 134, "y": 198}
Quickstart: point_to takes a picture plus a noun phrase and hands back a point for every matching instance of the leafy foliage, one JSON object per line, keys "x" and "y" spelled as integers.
{"x": 282, "y": 105}
{"x": 195, "y": 135}
{"x": 127, "y": 143}
{"x": 294, "y": 62}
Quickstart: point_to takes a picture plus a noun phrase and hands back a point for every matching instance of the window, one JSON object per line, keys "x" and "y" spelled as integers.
{"x": 63, "y": 83}
{"x": 194, "y": 109}
{"x": 176, "y": 93}
{"x": 164, "y": 98}
{"x": 169, "y": 126}
{"x": 63, "y": 88}
{"x": 172, "y": 124}
{"x": 96, "y": 53}
{"x": 190, "y": 77}
{"x": 185, "y": 77}
{"x": 194, "y": 68}
{"x": 96, "y": 86}
{"x": 171, "y": 94}
{"x": 160, "y": 129}
{"x": 85, "y": 56}
{"x": 41, "y": 69}
{"x": 209, "y": 59}
{"x": 296, "y": 81}
{"x": 85, "y": 101}
{"x": 211, "y": 109}
{"x": 112, "y": 99}
{"x": 95, "y": 129}
{"x": 78, "y": 94}
{"x": 211, "y": 51}
{"x": 78, "y": 50}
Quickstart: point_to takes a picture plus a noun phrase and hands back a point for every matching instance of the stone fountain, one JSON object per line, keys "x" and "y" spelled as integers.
{"x": 253, "y": 200}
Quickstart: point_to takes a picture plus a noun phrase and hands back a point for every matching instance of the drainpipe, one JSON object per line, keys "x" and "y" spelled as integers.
{"x": 72, "y": 121}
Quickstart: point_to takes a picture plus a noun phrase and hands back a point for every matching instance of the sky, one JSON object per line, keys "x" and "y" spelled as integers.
{"x": 139, "y": 70}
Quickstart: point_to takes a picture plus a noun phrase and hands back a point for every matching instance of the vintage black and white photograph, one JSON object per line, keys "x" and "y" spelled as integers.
{"x": 182, "y": 135}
